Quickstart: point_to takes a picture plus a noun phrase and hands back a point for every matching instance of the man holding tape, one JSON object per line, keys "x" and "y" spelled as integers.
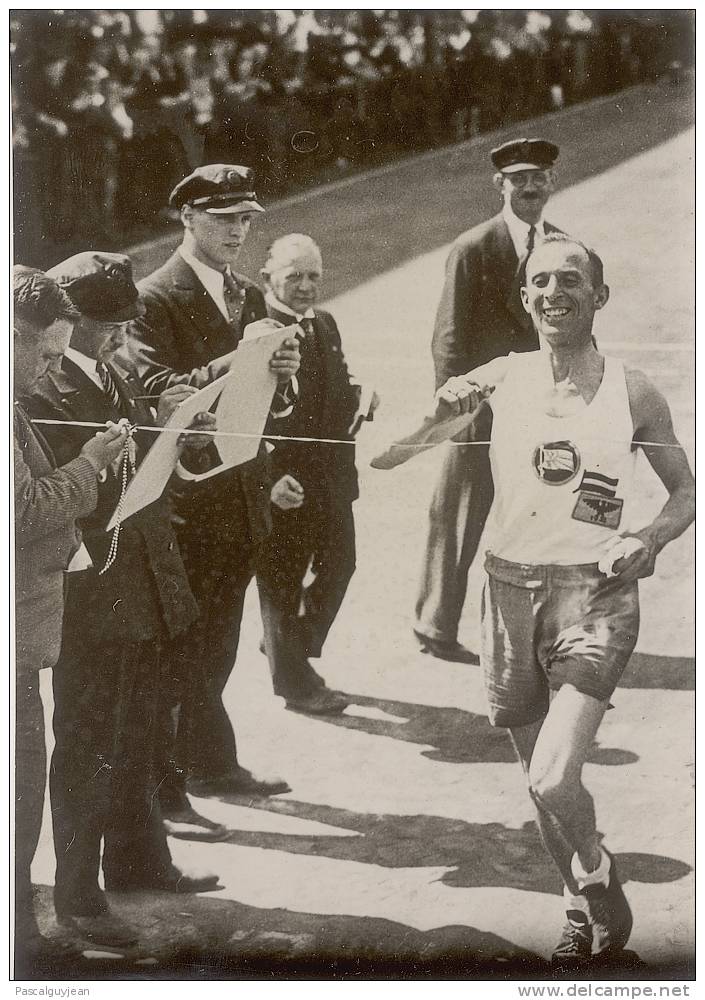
{"x": 48, "y": 499}
{"x": 127, "y": 594}
{"x": 196, "y": 309}
{"x": 560, "y": 610}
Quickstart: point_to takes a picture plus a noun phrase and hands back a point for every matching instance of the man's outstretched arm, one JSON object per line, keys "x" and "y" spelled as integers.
{"x": 456, "y": 404}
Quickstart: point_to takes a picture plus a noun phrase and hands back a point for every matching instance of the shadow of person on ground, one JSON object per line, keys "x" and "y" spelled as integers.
{"x": 478, "y": 854}
{"x": 194, "y": 937}
{"x": 669, "y": 673}
{"x": 456, "y": 735}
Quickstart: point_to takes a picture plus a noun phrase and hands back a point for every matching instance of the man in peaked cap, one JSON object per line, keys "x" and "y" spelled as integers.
{"x": 480, "y": 317}
{"x": 48, "y": 499}
{"x": 197, "y": 308}
{"x": 121, "y": 607}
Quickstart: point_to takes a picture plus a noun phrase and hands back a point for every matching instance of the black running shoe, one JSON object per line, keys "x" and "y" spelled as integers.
{"x": 610, "y": 915}
{"x": 574, "y": 950}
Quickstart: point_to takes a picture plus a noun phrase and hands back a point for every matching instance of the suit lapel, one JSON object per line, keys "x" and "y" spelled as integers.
{"x": 78, "y": 396}
{"x": 512, "y": 271}
{"x": 326, "y": 355}
{"x": 213, "y": 329}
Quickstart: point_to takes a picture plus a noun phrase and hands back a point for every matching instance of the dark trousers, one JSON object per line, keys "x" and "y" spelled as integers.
{"x": 201, "y": 662}
{"x": 459, "y": 509}
{"x": 297, "y": 619}
{"x": 30, "y": 780}
{"x": 106, "y": 696}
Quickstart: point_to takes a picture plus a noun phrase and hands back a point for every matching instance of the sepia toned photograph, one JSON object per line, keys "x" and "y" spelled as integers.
{"x": 353, "y": 419}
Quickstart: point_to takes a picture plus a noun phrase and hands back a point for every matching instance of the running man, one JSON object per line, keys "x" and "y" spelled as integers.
{"x": 560, "y": 612}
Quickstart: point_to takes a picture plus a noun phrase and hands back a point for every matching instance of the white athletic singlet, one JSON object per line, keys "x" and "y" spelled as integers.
{"x": 563, "y": 484}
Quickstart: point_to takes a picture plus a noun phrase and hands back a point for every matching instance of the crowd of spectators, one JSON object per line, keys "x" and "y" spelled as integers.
{"x": 112, "y": 107}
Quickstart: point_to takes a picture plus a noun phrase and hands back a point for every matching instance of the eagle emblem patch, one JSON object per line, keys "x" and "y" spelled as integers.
{"x": 592, "y": 508}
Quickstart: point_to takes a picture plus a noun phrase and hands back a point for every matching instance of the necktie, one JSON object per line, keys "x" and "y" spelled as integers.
{"x": 233, "y": 295}
{"x": 530, "y": 239}
{"x": 306, "y": 325}
{"x": 108, "y": 384}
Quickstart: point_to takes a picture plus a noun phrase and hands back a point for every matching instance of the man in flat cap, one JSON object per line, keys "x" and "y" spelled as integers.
{"x": 197, "y": 308}
{"x": 125, "y": 598}
{"x": 480, "y": 317}
{"x": 48, "y": 500}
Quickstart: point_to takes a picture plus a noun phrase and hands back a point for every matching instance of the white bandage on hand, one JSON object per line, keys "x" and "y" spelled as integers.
{"x": 622, "y": 548}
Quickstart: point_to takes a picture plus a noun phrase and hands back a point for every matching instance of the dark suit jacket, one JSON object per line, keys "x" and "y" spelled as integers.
{"x": 47, "y": 502}
{"x": 145, "y": 593}
{"x": 183, "y": 337}
{"x": 328, "y": 465}
{"x": 480, "y": 315}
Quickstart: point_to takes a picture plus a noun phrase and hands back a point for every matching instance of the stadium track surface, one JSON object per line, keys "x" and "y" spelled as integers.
{"x": 389, "y": 870}
{"x": 371, "y": 222}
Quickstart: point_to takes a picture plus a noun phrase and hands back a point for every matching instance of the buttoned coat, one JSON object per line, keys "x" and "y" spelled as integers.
{"x": 183, "y": 337}
{"x": 333, "y": 465}
{"x": 47, "y": 502}
{"x": 145, "y": 594}
{"x": 480, "y": 315}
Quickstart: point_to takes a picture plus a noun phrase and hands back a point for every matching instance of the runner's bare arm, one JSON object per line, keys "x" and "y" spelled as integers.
{"x": 464, "y": 393}
{"x": 652, "y": 422}
{"x": 457, "y": 403}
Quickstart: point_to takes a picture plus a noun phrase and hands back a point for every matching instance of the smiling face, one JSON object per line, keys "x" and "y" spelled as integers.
{"x": 561, "y": 294}
{"x": 215, "y": 240}
{"x": 37, "y": 352}
{"x": 297, "y": 281}
{"x": 526, "y": 192}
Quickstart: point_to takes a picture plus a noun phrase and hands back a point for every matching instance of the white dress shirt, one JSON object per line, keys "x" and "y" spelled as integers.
{"x": 519, "y": 231}
{"x": 274, "y": 302}
{"x": 86, "y": 364}
{"x": 211, "y": 279}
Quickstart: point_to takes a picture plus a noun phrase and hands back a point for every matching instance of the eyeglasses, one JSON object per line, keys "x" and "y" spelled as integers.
{"x": 521, "y": 178}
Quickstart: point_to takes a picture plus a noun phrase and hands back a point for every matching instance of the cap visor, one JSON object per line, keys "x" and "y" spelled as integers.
{"x": 237, "y": 208}
{"x": 514, "y": 168}
{"x": 133, "y": 311}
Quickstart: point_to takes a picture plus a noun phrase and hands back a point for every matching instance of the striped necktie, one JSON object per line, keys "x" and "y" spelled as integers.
{"x": 233, "y": 295}
{"x": 108, "y": 383}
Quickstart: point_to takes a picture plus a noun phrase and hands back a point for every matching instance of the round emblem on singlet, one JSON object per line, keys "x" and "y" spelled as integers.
{"x": 556, "y": 462}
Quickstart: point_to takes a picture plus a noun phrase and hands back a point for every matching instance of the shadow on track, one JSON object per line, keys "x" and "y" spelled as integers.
{"x": 668, "y": 673}
{"x": 454, "y": 735}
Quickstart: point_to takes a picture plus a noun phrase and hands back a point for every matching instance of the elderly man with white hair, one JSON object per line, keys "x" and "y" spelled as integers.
{"x": 314, "y": 528}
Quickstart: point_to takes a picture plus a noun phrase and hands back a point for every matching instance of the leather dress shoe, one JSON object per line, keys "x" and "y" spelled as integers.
{"x": 452, "y": 651}
{"x": 172, "y": 881}
{"x": 187, "y": 824}
{"x": 320, "y": 702}
{"x": 239, "y": 781}
{"x": 312, "y": 677}
{"x": 104, "y": 928}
